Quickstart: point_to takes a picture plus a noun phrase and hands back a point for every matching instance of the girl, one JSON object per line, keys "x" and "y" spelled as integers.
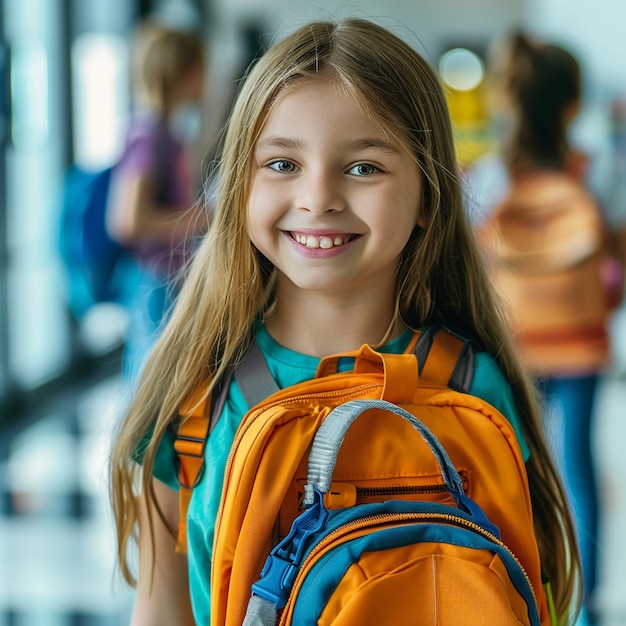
{"x": 152, "y": 187}
{"x": 339, "y": 222}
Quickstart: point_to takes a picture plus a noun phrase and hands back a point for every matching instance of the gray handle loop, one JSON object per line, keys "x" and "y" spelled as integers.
{"x": 331, "y": 433}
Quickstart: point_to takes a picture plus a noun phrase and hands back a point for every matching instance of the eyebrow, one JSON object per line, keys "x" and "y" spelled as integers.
{"x": 375, "y": 142}
{"x": 363, "y": 143}
{"x": 273, "y": 141}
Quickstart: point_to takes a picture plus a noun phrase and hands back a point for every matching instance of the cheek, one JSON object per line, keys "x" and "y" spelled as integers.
{"x": 410, "y": 211}
{"x": 390, "y": 235}
{"x": 265, "y": 205}
{"x": 401, "y": 227}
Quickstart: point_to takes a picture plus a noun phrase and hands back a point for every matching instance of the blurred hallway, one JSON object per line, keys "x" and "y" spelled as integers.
{"x": 57, "y": 550}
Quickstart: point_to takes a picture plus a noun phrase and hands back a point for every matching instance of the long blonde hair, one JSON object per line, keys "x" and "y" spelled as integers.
{"x": 441, "y": 276}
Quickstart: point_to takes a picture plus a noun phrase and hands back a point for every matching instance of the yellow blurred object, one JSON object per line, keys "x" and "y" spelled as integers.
{"x": 470, "y": 123}
{"x": 462, "y": 72}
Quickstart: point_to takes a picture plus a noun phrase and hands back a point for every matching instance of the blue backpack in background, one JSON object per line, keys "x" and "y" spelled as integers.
{"x": 97, "y": 268}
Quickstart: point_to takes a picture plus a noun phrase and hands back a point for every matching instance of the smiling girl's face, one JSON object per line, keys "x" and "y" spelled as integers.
{"x": 334, "y": 198}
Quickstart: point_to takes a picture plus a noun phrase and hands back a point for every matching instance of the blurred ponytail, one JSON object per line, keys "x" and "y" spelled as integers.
{"x": 540, "y": 83}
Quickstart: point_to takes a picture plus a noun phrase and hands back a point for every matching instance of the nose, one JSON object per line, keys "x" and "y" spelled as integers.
{"x": 320, "y": 192}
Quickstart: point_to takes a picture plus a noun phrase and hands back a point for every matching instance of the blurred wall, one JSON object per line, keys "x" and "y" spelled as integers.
{"x": 594, "y": 28}
{"x": 428, "y": 24}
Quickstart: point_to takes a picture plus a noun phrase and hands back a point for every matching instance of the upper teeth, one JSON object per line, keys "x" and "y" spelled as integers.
{"x": 310, "y": 241}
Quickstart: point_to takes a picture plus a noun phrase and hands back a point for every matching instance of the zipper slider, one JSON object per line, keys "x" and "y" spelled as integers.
{"x": 281, "y": 567}
{"x": 340, "y": 496}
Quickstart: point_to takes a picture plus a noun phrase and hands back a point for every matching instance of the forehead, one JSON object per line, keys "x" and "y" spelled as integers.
{"x": 325, "y": 107}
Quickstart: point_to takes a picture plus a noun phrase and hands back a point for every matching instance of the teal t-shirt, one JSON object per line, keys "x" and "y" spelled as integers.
{"x": 288, "y": 368}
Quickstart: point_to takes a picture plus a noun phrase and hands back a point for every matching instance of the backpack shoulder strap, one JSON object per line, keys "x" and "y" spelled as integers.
{"x": 198, "y": 416}
{"x": 189, "y": 449}
{"x": 445, "y": 358}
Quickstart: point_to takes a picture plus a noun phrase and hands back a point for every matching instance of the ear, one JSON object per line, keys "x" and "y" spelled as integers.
{"x": 421, "y": 220}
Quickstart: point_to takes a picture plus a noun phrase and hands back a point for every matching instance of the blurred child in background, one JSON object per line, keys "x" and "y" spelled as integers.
{"x": 153, "y": 189}
{"x": 545, "y": 239}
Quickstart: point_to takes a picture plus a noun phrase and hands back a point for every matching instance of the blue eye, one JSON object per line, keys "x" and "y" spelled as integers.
{"x": 363, "y": 169}
{"x": 282, "y": 165}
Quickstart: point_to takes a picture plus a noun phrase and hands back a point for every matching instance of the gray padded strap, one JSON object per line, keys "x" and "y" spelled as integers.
{"x": 254, "y": 377}
{"x": 220, "y": 394}
{"x": 463, "y": 374}
{"x": 423, "y": 345}
{"x": 260, "y": 612}
{"x": 331, "y": 433}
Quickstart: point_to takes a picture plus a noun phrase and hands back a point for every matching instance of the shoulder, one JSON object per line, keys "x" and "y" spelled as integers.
{"x": 164, "y": 468}
{"x": 562, "y": 204}
{"x": 146, "y": 130}
{"x": 488, "y": 377}
{"x": 549, "y": 185}
{"x": 578, "y": 164}
{"x": 142, "y": 126}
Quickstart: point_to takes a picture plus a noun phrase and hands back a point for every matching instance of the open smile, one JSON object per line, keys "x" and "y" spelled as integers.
{"x": 324, "y": 242}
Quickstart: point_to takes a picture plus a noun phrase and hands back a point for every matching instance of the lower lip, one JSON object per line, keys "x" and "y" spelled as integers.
{"x": 319, "y": 253}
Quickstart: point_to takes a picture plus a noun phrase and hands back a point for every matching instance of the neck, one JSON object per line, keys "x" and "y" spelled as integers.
{"x": 325, "y": 324}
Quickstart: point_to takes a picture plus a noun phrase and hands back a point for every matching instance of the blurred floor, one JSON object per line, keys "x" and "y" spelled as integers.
{"x": 57, "y": 554}
{"x": 610, "y": 435}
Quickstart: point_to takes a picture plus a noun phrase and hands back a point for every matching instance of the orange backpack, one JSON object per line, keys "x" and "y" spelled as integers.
{"x": 466, "y": 476}
{"x": 547, "y": 252}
